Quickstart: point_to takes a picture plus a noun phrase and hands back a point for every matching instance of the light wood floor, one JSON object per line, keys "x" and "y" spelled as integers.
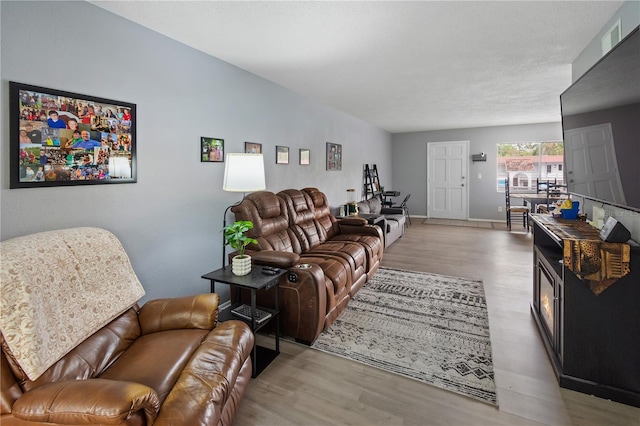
{"x": 307, "y": 387}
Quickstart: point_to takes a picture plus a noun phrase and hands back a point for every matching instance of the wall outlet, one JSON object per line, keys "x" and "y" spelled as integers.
{"x": 500, "y": 209}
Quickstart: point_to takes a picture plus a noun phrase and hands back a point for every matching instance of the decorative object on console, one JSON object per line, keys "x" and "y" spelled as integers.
{"x": 569, "y": 209}
{"x": 352, "y": 205}
{"x": 56, "y": 142}
{"x": 614, "y": 232}
{"x": 282, "y": 154}
{"x": 428, "y": 327}
{"x": 234, "y": 235}
{"x": 596, "y": 262}
{"x": 212, "y": 150}
{"x": 334, "y": 156}
{"x": 242, "y": 173}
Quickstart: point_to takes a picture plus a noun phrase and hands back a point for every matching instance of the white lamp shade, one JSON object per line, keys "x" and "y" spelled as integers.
{"x": 244, "y": 173}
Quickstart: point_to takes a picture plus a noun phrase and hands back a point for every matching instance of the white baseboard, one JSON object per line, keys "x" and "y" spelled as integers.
{"x": 486, "y": 220}
{"x": 471, "y": 219}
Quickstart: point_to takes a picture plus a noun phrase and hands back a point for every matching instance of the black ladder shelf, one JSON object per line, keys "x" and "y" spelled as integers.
{"x": 371, "y": 182}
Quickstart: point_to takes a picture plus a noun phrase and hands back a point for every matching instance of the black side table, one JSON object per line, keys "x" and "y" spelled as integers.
{"x": 261, "y": 357}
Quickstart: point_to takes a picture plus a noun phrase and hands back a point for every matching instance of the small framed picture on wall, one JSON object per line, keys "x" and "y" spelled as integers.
{"x": 252, "y": 148}
{"x": 305, "y": 157}
{"x": 334, "y": 156}
{"x": 282, "y": 154}
{"x": 211, "y": 150}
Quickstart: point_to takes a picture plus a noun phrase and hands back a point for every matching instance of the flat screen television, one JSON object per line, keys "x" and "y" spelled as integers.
{"x": 601, "y": 127}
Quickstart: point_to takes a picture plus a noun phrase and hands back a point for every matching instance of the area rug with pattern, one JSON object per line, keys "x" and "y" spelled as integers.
{"x": 428, "y": 327}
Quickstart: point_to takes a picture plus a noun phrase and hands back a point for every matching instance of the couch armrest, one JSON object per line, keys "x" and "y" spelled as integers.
{"x": 303, "y": 302}
{"x": 92, "y": 401}
{"x": 199, "y": 311}
{"x": 278, "y": 259}
{"x": 392, "y": 210}
{"x": 361, "y": 230}
{"x": 354, "y": 221}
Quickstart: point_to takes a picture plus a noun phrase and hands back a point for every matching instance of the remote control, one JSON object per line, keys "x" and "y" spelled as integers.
{"x": 269, "y": 271}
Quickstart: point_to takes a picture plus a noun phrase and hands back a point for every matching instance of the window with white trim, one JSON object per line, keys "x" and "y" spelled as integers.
{"x": 526, "y": 163}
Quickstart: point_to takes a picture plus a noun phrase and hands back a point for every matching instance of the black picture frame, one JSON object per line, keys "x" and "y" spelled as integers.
{"x": 334, "y": 156}
{"x": 252, "y": 148}
{"x": 61, "y": 138}
{"x": 282, "y": 154}
{"x": 211, "y": 150}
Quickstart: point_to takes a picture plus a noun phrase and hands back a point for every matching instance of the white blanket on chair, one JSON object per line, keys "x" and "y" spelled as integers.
{"x": 58, "y": 288}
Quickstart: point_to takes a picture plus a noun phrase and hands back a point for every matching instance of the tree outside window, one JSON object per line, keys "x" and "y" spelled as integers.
{"x": 526, "y": 163}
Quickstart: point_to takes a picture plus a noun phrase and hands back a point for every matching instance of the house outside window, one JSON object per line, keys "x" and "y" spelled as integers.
{"x": 526, "y": 163}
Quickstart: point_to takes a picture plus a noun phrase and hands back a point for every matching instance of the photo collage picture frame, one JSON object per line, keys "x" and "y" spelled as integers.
{"x": 60, "y": 138}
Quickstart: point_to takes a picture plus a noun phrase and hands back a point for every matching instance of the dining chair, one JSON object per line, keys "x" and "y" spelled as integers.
{"x": 515, "y": 210}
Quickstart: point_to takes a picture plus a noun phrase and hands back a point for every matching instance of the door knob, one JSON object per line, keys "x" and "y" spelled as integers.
{"x": 462, "y": 184}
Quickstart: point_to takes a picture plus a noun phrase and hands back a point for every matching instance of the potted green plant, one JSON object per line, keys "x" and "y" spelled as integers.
{"x": 235, "y": 236}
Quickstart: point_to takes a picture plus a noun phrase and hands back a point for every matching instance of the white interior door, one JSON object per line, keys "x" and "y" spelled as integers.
{"x": 447, "y": 193}
{"x": 592, "y": 167}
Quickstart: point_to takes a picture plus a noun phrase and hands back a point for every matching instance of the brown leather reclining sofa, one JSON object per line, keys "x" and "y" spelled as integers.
{"x": 168, "y": 362}
{"x": 328, "y": 260}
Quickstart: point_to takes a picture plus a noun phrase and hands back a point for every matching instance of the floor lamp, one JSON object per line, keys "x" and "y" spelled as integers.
{"x": 242, "y": 173}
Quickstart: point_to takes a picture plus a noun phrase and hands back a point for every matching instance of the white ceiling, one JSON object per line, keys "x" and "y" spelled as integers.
{"x": 401, "y": 66}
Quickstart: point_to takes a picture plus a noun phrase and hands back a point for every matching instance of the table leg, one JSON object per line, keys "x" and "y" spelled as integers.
{"x": 254, "y": 358}
{"x": 277, "y": 305}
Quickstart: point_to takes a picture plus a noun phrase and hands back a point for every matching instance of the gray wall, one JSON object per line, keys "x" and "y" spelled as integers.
{"x": 629, "y": 16}
{"x": 410, "y": 163}
{"x": 170, "y": 221}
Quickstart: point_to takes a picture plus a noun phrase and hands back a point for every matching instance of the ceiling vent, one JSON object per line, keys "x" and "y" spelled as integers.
{"x": 611, "y": 38}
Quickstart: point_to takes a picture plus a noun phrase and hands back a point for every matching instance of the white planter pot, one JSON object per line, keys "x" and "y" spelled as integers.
{"x": 241, "y": 265}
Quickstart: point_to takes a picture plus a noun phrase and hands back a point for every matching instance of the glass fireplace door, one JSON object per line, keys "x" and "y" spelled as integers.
{"x": 547, "y": 301}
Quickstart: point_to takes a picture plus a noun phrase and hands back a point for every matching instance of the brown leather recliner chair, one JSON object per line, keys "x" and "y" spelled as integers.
{"x": 168, "y": 362}
{"x": 314, "y": 242}
{"x": 323, "y": 273}
{"x": 348, "y": 229}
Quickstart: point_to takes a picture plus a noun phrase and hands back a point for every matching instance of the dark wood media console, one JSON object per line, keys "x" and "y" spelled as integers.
{"x": 593, "y": 341}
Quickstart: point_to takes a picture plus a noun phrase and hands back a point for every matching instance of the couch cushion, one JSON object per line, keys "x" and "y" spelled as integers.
{"x": 172, "y": 350}
{"x": 91, "y": 357}
{"x": 375, "y": 205}
{"x": 363, "y": 207}
{"x": 93, "y": 401}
